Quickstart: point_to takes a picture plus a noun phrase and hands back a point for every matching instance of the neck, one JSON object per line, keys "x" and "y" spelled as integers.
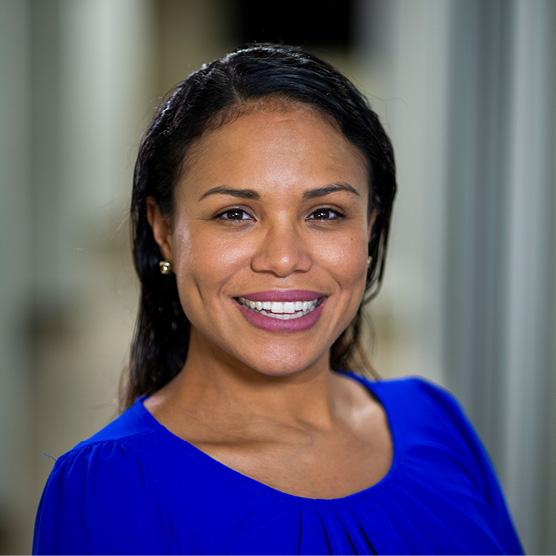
{"x": 219, "y": 389}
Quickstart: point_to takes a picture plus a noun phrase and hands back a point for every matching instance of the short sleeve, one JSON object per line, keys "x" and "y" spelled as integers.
{"x": 480, "y": 466}
{"x": 96, "y": 501}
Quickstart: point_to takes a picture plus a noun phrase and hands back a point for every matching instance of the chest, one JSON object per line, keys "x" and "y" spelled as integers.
{"x": 314, "y": 466}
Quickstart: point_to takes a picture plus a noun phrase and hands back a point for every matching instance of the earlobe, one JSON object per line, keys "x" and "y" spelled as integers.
{"x": 160, "y": 228}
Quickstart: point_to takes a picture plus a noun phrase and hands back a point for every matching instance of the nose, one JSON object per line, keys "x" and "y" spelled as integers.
{"x": 282, "y": 250}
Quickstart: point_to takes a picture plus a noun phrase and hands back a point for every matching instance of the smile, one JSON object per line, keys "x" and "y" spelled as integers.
{"x": 275, "y": 316}
{"x": 281, "y": 310}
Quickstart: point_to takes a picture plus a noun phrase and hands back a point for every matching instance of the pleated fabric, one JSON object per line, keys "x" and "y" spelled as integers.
{"x": 134, "y": 487}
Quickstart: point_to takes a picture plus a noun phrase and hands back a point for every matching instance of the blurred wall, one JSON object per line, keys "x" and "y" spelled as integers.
{"x": 466, "y": 92}
{"x": 469, "y": 96}
{"x": 16, "y": 469}
{"x": 76, "y": 92}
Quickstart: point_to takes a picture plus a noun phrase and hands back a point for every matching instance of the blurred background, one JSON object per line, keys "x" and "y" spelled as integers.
{"x": 466, "y": 90}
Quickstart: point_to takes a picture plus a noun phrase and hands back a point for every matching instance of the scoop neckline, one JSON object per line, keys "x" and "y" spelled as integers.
{"x": 377, "y": 486}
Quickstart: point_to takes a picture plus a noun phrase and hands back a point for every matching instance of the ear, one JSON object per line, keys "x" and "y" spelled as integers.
{"x": 161, "y": 228}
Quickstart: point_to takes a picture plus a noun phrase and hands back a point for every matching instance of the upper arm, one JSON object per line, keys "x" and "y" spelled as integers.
{"x": 97, "y": 500}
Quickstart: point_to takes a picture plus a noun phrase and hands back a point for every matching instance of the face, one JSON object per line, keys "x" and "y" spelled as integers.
{"x": 277, "y": 237}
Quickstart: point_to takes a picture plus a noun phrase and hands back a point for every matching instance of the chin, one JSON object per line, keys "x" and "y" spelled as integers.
{"x": 279, "y": 368}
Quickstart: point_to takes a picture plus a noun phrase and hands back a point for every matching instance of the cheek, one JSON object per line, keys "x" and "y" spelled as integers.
{"x": 207, "y": 260}
{"x": 347, "y": 256}
{"x": 183, "y": 247}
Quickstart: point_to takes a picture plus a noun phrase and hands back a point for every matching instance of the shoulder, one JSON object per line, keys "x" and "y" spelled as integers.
{"x": 96, "y": 456}
{"x": 121, "y": 439}
{"x": 437, "y": 401}
{"x": 96, "y": 475}
{"x": 130, "y": 427}
{"x": 414, "y": 384}
{"x": 97, "y": 493}
{"x": 113, "y": 456}
{"x": 98, "y": 483}
{"x": 436, "y": 432}
{"x": 424, "y": 395}
{"x": 434, "y": 417}
{"x": 429, "y": 414}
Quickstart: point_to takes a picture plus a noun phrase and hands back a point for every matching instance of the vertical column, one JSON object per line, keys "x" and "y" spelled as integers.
{"x": 91, "y": 87}
{"x": 530, "y": 253}
{"x": 16, "y": 267}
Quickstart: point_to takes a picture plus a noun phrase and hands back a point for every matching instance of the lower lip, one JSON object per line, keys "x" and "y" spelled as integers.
{"x": 278, "y": 325}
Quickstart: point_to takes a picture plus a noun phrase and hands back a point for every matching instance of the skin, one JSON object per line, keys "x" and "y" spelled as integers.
{"x": 243, "y": 388}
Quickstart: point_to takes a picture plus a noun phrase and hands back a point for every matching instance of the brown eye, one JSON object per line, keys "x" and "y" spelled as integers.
{"x": 235, "y": 212}
{"x": 325, "y": 210}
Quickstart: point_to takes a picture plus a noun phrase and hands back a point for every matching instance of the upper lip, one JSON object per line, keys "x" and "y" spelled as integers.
{"x": 283, "y": 295}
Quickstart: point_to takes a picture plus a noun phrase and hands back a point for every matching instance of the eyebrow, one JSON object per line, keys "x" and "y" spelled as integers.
{"x": 252, "y": 194}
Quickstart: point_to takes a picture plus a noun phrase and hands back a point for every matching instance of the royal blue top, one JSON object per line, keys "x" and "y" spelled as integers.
{"x": 135, "y": 487}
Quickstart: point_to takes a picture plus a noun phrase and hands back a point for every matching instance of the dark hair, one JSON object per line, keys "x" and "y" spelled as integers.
{"x": 208, "y": 98}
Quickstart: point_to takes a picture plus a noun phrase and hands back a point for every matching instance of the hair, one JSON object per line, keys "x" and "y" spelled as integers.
{"x": 257, "y": 77}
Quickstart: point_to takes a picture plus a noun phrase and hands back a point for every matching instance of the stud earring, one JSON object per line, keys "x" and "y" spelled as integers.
{"x": 369, "y": 260}
{"x": 165, "y": 267}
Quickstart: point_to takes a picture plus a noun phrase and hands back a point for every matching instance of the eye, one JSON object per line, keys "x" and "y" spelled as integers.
{"x": 232, "y": 211}
{"x": 324, "y": 210}
{"x": 234, "y": 214}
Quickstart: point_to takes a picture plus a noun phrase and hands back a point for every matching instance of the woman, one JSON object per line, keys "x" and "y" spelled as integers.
{"x": 261, "y": 205}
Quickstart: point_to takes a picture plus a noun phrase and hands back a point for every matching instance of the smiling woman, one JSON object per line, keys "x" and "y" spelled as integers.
{"x": 261, "y": 205}
{"x": 261, "y": 143}
{"x": 287, "y": 165}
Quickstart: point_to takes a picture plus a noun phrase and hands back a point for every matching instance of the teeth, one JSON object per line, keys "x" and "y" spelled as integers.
{"x": 281, "y": 309}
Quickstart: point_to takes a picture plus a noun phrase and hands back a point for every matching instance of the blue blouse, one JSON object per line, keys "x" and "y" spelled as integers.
{"x": 134, "y": 487}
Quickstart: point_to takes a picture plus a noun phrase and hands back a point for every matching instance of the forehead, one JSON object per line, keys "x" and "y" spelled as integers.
{"x": 289, "y": 146}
